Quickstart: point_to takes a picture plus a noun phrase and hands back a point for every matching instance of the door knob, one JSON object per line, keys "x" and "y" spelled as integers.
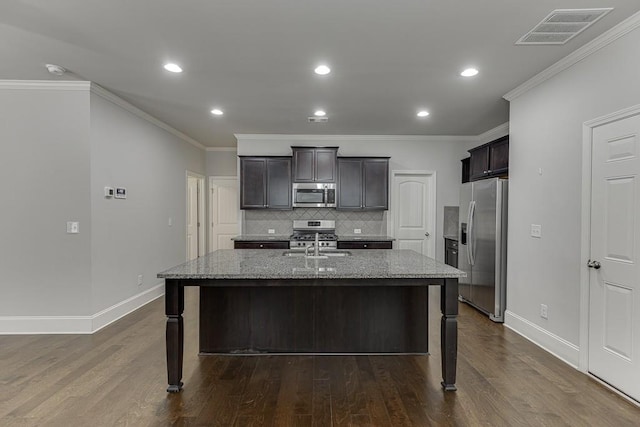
{"x": 427, "y": 234}
{"x": 593, "y": 264}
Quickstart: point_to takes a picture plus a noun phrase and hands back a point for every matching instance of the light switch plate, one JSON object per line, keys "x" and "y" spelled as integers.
{"x": 271, "y": 231}
{"x": 357, "y": 231}
{"x": 536, "y": 230}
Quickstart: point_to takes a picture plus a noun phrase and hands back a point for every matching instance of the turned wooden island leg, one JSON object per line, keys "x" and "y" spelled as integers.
{"x": 449, "y": 333}
{"x": 174, "y": 307}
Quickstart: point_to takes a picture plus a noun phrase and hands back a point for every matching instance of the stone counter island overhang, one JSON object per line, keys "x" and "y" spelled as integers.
{"x": 264, "y": 301}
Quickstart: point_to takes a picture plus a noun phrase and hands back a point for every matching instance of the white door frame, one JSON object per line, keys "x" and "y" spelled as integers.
{"x": 391, "y": 229}
{"x": 201, "y": 217}
{"x": 210, "y": 205}
{"x": 585, "y": 244}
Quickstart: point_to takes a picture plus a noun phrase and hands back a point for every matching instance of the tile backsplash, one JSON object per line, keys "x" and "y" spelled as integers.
{"x": 450, "y": 226}
{"x": 370, "y": 222}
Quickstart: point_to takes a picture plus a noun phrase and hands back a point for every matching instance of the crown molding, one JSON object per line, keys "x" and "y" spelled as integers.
{"x": 45, "y": 84}
{"x": 578, "y": 55}
{"x": 103, "y": 93}
{"x": 234, "y": 149}
{"x": 495, "y": 133}
{"x": 347, "y": 138}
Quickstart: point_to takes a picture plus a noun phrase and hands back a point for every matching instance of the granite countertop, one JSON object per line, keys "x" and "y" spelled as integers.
{"x": 357, "y": 237}
{"x": 271, "y": 264}
{"x": 343, "y": 238}
{"x": 260, "y": 237}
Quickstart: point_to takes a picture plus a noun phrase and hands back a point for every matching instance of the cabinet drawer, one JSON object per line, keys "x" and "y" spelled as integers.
{"x": 365, "y": 245}
{"x": 261, "y": 245}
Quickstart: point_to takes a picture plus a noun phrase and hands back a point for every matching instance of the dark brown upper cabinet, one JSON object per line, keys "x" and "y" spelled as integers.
{"x": 265, "y": 182}
{"x": 363, "y": 183}
{"x": 314, "y": 164}
{"x": 489, "y": 160}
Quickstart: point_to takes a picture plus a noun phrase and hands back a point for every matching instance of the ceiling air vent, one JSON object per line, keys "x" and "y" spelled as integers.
{"x": 318, "y": 119}
{"x": 562, "y": 25}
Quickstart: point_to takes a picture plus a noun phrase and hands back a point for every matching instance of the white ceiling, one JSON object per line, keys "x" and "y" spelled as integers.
{"x": 255, "y": 59}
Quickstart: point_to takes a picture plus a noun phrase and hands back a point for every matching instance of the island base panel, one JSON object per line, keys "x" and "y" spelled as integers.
{"x": 325, "y": 319}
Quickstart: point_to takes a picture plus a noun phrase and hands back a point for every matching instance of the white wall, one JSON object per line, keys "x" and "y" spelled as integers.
{"x": 44, "y": 182}
{"x": 439, "y": 154}
{"x": 546, "y": 132}
{"x": 132, "y": 236}
{"x": 222, "y": 163}
{"x": 61, "y": 144}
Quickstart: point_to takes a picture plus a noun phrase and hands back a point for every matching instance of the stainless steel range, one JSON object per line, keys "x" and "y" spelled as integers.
{"x": 304, "y": 234}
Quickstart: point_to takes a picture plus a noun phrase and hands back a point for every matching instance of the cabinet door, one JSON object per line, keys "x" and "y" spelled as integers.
{"x": 376, "y": 184}
{"x": 325, "y": 164}
{"x": 260, "y": 245}
{"x": 349, "y": 184}
{"x": 465, "y": 169}
{"x": 279, "y": 183}
{"x": 365, "y": 245}
{"x": 479, "y": 163}
{"x": 253, "y": 185}
{"x": 303, "y": 164}
{"x": 499, "y": 157}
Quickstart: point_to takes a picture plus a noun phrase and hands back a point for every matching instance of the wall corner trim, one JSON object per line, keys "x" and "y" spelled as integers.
{"x": 32, "y": 325}
{"x": 347, "y": 138}
{"x": 559, "y": 347}
{"x": 103, "y": 93}
{"x": 578, "y": 55}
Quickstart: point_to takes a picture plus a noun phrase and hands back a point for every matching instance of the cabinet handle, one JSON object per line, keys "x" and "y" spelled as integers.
{"x": 364, "y": 246}
{"x": 454, "y": 252}
{"x": 262, "y": 246}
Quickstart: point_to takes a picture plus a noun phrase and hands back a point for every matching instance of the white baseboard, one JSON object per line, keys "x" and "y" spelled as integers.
{"x": 35, "y": 325}
{"x": 559, "y": 347}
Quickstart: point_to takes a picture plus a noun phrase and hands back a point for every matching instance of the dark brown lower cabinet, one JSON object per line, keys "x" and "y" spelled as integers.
{"x": 451, "y": 252}
{"x": 368, "y": 244}
{"x": 271, "y": 244}
{"x": 314, "y": 319}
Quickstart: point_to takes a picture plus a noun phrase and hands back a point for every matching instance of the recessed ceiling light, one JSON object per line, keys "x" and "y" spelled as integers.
{"x": 217, "y": 112}
{"x": 174, "y": 68}
{"x": 320, "y": 113}
{"x": 469, "y": 72}
{"x": 423, "y": 113}
{"x": 322, "y": 70}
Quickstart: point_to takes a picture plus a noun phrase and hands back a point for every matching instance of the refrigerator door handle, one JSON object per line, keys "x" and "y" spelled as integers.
{"x": 470, "y": 234}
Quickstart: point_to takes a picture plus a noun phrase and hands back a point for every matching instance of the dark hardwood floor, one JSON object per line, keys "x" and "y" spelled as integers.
{"x": 117, "y": 377}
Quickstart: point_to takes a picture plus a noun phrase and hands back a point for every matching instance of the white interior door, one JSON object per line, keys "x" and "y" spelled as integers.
{"x": 414, "y": 211}
{"x": 192, "y": 217}
{"x": 224, "y": 209}
{"x": 614, "y": 288}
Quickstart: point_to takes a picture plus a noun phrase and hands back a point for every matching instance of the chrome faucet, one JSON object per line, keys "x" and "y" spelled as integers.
{"x": 316, "y": 247}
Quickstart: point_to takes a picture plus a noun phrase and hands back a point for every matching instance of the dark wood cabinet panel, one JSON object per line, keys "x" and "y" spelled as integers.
{"x": 365, "y": 244}
{"x": 349, "y": 184}
{"x": 465, "y": 169}
{"x": 489, "y": 160}
{"x": 376, "y": 183}
{"x": 363, "y": 183}
{"x": 265, "y": 183}
{"x": 279, "y": 183}
{"x": 271, "y": 244}
{"x": 314, "y": 164}
{"x": 451, "y": 252}
{"x": 253, "y": 185}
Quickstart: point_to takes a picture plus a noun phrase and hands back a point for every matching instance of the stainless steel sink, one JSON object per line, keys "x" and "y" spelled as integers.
{"x": 323, "y": 254}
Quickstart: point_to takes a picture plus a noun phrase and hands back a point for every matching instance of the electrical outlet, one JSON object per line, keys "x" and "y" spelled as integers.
{"x": 357, "y": 231}
{"x": 140, "y": 279}
{"x": 170, "y": 222}
{"x": 536, "y": 230}
{"x": 73, "y": 227}
{"x": 271, "y": 231}
{"x": 544, "y": 311}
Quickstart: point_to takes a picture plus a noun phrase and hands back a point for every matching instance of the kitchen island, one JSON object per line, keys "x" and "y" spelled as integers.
{"x": 361, "y": 301}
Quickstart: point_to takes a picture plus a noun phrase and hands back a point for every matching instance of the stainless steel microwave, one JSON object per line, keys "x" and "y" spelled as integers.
{"x": 314, "y": 195}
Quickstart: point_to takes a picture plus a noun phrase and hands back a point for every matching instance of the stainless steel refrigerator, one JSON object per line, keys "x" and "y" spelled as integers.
{"x": 482, "y": 249}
